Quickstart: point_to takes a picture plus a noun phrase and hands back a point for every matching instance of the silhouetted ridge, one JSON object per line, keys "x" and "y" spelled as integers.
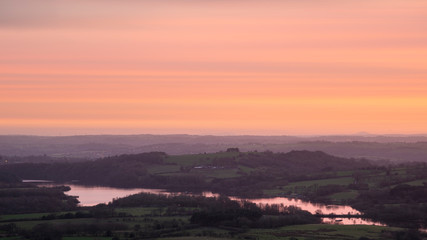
{"x": 318, "y": 160}
{"x": 148, "y": 158}
{"x": 304, "y": 153}
{"x": 300, "y": 162}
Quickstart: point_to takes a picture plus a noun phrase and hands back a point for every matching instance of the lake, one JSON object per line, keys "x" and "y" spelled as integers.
{"x": 90, "y": 196}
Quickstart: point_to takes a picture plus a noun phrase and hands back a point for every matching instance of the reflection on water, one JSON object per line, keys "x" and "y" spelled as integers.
{"x": 314, "y": 208}
{"x": 90, "y": 196}
{"x": 307, "y": 206}
{"x": 351, "y": 221}
{"x": 36, "y": 181}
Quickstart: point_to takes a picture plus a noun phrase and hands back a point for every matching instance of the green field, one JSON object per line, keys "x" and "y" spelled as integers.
{"x": 346, "y": 195}
{"x": 301, "y": 187}
{"x": 218, "y": 173}
{"x": 161, "y": 169}
{"x": 310, "y": 231}
{"x": 193, "y": 238}
{"x": 198, "y": 159}
{"x": 86, "y": 238}
{"x": 322, "y": 182}
{"x": 416, "y": 182}
{"x": 323, "y": 231}
{"x": 139, "y": 211}
{"x": 33, "y": 223}
{"x": 22, "y": 216}
{"x": 246, "y": 169}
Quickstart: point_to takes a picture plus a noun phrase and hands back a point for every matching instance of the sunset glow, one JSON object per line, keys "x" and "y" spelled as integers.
{"x": 213, "y": 67}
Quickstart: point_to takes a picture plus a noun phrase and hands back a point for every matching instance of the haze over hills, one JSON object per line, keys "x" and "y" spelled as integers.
{"x": 396, "y": 148}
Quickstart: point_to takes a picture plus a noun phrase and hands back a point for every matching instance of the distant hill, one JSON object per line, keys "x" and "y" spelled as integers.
{"x": 397, "y": 148}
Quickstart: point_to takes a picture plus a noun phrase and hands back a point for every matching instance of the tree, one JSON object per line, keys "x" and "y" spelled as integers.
{"x": 233, "y": 150}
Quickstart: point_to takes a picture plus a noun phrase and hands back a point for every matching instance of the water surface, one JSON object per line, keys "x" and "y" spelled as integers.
{"x": 90, "y": 196}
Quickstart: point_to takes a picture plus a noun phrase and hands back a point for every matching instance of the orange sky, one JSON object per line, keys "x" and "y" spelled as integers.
{"x": 213, "y": 67}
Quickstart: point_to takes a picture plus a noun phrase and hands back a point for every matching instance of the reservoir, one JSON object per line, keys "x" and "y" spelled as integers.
{"x": 92, "y": 195}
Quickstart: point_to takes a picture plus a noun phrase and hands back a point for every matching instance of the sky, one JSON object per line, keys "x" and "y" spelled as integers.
{"x": 221, "y": 67}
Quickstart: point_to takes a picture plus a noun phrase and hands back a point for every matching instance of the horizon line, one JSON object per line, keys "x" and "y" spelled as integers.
{"x": 362, "y": 134}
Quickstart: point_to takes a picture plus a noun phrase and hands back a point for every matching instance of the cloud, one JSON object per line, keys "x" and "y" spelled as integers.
{"x": 55, "y": 13}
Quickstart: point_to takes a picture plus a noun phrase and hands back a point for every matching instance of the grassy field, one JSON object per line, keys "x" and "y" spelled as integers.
{"x": 22, "y": 216}
{"x": 311, "y": 231}
{"x": 30, "y": 216}
{"x": 301, "y": 186}
{"x": 346, "y": 195}
{"x": 86, "y": 238}
{"x": 416, "y": 182}
{"x": 322, "y": 182}
{"x": 143, "y": 218}
{"x": 139, "y": 211}
{"x": 344, "y": 173}
{"x": 246, "y": 169}
{"x": 199, "y": 159}
{"x": 323, "y": 231}
{"x": 33, "y": 223}
{"x": 373, "y": 179}
{"x": 199, "y": 164}
{"x": 193, "y": 238}
{"x": 218, "y": 173}
{"x": 159, "y": 169}
{"x": 189, "y": 160}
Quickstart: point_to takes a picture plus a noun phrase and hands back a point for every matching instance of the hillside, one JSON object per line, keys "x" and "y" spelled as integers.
{"x": 197, "y": 172}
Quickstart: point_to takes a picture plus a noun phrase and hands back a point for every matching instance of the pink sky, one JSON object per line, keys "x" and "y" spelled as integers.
{"x": 213, "y": 67}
